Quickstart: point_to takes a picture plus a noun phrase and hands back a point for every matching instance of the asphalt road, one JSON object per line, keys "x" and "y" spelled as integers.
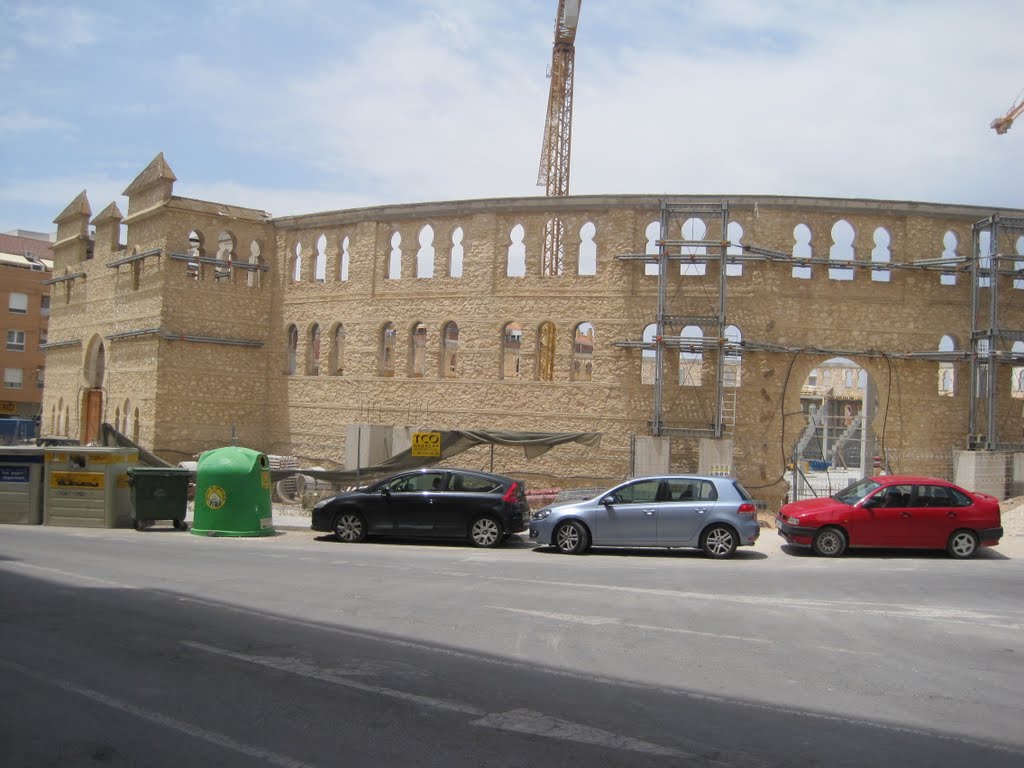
{"x": 163, "y": 648}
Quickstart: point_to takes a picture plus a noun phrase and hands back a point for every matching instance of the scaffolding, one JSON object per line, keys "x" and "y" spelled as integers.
{"x": 984, "y": 355}
{"x": 988, "y": 336}
{"x": 672, "y": 318}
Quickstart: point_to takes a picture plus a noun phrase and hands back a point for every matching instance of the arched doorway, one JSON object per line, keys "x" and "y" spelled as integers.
{"x": 93, "y": 373}
{"x": 836, "y": 446}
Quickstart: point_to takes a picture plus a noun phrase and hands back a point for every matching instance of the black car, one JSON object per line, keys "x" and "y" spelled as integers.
{"x": 434, "y": 503}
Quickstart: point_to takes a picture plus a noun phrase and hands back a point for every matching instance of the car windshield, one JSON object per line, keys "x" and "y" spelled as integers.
{"x": 856, "y": 491}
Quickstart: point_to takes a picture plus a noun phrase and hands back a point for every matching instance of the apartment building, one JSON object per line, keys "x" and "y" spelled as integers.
{"x": 26, "y": 261}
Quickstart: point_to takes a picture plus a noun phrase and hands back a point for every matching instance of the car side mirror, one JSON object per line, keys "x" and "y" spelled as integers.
{"x": 609, "y": 500}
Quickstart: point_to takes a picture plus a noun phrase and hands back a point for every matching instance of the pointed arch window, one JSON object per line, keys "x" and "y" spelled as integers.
{"x": 450, "y": 352}
{"x": 583, "y": 353}
{"x": 388, "y": 342}
{"x": 511, "y": 351}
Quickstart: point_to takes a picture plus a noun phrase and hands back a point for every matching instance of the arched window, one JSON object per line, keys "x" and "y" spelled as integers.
{"x": 126, "y": 425}
{"x": 296, "y": 271}
{"x": 950, "y": 255}
{"x": 546, "y": 352}
{"x": 734, "y": 269}
{"x": 225, "y": 255}
{"x": 694, "y": 229}
{"x": 253, "y": 276}
{"x": 653, "y": 234}
{"x": 516, "y": 265}
{"x": 587, "y": 262}
{"x": 947, "y": 374}
{"x": 554, "y": 248}
{"x": 313, "y": 350}
{"x": 291, "y": 361}
{"x": 135, "y": 425}
{"x": 511, "y": 351}
{"x": 881, "y": 254}
{"x": 583, "y": 353}
{"x": 194, "y": 267}
{"x": 395, "y": 258}
{"x": 649, "y": 356}
{"x": 388, "y": 339}
{"x": 450, "y": 352}
{"x": 457, "y": 253}
{"x": 337, "y": 356}
{"x": 841, "y": 250}
{"x": 344, "y": 259}
{"x": 418, "y": 360}
{"x": 802, "y": 250}
{"x": 1018, "y": 265}
{"x": 985, "y": 251}
{"x": 1017, "y": 371}
{"x": 320, "y": 260}
{"x": 425, "y": 255}
{"x": 732, "y": 361}
{"x": 691, "y": 357}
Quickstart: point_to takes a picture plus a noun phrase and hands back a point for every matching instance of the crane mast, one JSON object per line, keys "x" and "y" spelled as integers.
{"x": 556, "y": 148}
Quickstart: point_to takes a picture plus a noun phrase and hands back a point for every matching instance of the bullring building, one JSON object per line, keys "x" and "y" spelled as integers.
{"x": 752, "y": 335}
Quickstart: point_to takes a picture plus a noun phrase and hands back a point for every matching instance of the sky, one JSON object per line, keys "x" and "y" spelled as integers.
{"x": 300, "y": 106}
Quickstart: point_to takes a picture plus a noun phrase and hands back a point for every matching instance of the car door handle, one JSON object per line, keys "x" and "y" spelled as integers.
{"x": 649, "y": 512}
{"x": 700, "y": 510}
{"x": 951, "y": 515}
{"x": 904, "y": 514}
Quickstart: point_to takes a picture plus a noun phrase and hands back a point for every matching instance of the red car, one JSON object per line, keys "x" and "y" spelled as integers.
{"x": 894, "y": 511}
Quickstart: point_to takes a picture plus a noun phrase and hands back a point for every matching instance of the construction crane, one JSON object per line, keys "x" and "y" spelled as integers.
{"x": 556, "y": 149}
{"x": 1002, "y": 124}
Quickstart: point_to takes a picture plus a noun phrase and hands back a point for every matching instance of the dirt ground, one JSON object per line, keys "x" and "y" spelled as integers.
{"x": 1012, "y": 511}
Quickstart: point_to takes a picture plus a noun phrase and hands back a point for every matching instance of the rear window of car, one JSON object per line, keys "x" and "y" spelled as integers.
{"x": 742, "y": 491}
{"x": 473, "y": 484}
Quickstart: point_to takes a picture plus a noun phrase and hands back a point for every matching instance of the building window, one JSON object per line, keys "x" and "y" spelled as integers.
{"x": 40, "y": 378}
{"x": 15, "y": 341}
{"x": 44, "y": 306}
{"x": 18, "y": 303}
{"x": 13, "y": 378}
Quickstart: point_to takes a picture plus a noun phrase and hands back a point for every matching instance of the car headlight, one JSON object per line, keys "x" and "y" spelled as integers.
{"x": 540, "y": 514}
{"x": 323, "y": 502}
{"x": 793, "y": 520}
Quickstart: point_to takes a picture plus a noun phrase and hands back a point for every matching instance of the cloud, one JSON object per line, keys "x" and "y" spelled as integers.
{"x": 20, "y": 121}
{"x": 60, "y": 26}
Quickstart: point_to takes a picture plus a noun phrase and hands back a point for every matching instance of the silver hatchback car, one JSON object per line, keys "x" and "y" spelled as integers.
{"x": 715, "y": 514}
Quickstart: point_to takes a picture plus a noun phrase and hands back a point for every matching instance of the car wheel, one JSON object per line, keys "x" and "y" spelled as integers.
{"x": 486, "y": 532}
{"x": 829, "y": 542}
{"x": 718, "y": 541}
{"x": 349, "y": 527}
{"x": 962, "y": 545}
{"x": 572, "y": 538}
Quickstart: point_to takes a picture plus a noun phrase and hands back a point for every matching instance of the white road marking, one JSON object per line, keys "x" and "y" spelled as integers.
{"x": 163, "y": 720}
{"x": 597, "y": 621}
{"x": 1010, "y": 620}
{"x": 604, "y": 620}
{"x": 517, "y": 720}
{"x": 75, "y": 579}
{"x": 536, "y": 724}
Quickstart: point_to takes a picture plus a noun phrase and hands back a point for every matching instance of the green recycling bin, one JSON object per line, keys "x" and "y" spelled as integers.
{"x": 159, "y": 493}
{"x": 233, "y": 494}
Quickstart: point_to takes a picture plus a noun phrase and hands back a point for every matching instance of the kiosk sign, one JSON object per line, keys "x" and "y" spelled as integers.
{"x": 427, "y": 444}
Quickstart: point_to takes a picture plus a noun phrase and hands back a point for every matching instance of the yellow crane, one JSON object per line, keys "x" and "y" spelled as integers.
{"x": 1002, "y": 124}
{"x": 555, "y": 150}
{"x": 557, "y": 145}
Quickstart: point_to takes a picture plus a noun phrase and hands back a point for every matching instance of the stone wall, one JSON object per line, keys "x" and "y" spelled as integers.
{"x": 220, "y": 366}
